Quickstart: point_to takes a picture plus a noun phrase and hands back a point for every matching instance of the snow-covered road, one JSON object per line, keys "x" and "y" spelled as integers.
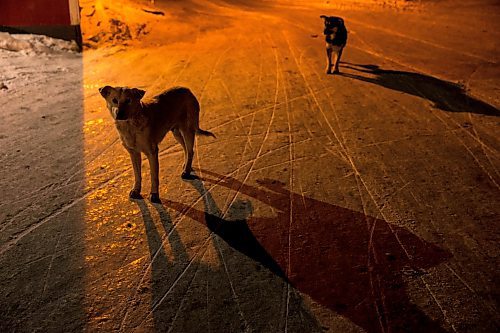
{"x": 365, "y": 201}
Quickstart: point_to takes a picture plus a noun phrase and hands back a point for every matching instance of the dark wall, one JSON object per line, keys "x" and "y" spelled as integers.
{"x": 43, "y": 17}
{"x": 34, "y": 12}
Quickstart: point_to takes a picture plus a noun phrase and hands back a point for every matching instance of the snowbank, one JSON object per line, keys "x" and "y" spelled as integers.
{"x": 27, "y": 60}
{"x": 29, "y": 44}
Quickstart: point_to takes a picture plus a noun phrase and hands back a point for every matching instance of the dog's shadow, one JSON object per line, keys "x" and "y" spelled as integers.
{"x": 231, "y": 293}
{"x": 233, "y": 228}
{"x": 350, "y": 263}
{"x": 444, "y": 95}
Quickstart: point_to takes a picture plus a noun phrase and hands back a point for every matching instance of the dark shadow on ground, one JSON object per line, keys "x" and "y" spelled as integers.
{"x": 233, "y": 230}
{"x": 185, "y": 307}
{"x": 161, "y": 265}
{"x": 348, "y": 262}
{"x": 42, "y": 214}
{"x": 447, "y": 96}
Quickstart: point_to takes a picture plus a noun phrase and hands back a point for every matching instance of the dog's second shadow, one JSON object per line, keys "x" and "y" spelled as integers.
{"x": 444, "y": 95}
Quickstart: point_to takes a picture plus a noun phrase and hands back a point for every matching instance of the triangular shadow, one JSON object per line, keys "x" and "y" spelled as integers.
{"x": 444, "y": 95}
{"x": 348, "y": 262}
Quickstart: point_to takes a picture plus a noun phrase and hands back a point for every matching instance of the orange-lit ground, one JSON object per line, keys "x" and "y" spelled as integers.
{"x": 363, "y": 202}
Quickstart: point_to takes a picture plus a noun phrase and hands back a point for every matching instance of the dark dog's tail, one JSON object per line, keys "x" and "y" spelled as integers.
{"x": 199, "y": 131}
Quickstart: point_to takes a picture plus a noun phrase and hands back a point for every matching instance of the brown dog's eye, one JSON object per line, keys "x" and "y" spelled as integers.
{"x": 115, "y": 100}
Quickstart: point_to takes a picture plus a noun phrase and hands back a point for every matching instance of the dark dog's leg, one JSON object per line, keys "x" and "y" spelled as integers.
{"x": 135, "y": 157}
{"x": 329, "y": 60}
{"x": 338, "y": 60}
{"x": 155, "y": 181}
{"x": 188, "y": 136}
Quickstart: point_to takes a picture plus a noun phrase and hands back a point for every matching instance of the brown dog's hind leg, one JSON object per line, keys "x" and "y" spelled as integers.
{"x": 135, "y": 157}
{"x": 155, "y": 181}
{"x": 180, "y": 139}
{"x": 189, "y": 137}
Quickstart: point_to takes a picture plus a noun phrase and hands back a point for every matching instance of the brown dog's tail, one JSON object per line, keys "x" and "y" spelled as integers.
{"x": 199, "y": 131}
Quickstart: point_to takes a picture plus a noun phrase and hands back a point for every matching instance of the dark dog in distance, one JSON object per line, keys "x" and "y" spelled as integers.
{"x": 336, "y": 38}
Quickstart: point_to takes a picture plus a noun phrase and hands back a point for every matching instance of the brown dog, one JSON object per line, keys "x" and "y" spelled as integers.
{"x": 142, "y": 126}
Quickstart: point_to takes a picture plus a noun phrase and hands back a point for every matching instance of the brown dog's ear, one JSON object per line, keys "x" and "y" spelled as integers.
{"x": 139, "y": 93}
{"x": 105, "y": 91}
{"x": 323, "y": 17}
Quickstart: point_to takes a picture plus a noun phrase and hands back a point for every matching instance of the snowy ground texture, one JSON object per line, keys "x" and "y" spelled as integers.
{"x": 27, "y": 44}
{"x": 360, "y": 202}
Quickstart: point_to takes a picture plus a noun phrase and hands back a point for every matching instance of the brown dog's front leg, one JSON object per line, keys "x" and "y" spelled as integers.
{"x": 135, "y": 157}
{"x": 155, "y": 181}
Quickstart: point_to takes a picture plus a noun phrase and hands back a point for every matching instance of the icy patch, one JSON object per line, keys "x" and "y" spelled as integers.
{"x": 29, "y": 44}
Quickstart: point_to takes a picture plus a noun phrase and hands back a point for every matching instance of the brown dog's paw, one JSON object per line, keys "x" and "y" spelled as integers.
{"x": 188, "y": 176}
{"x": 135, "y": 194}
{"x": 155, "y": 198}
